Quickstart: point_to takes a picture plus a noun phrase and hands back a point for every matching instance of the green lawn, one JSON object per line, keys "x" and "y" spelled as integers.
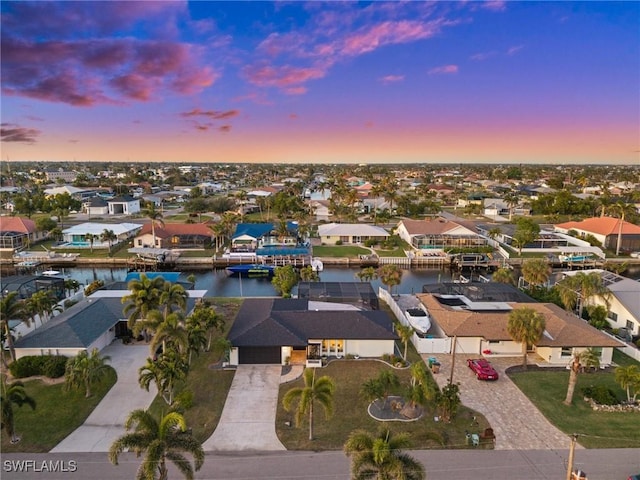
{"x": 396, "y": 252}
{"x": 351, "y": 413}
{"x": 547, "y": 390}
{"x": 339, "y": 251}
{"x": 57, "y": 414}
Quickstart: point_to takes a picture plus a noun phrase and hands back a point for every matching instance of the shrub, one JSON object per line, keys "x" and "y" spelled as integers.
{"x": 601, "y": 395}
{"x": 338, "y": 242}
{"x": 370, "y": 243}
{"x": 69, "y": 303}
{"x": 51, "y": 366}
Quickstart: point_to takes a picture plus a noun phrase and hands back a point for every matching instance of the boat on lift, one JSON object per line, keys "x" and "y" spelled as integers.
{"x": 252, "y": 270}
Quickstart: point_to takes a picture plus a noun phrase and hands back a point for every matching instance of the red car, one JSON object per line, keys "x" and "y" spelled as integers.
{"x": 482, "y": 369}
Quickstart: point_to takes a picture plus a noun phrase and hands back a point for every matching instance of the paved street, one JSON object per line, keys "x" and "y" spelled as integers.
{"x": 614, "y": 464}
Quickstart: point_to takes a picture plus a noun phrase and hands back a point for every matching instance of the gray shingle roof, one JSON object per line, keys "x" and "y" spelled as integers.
{"x": 78, "y": 327}
{"x": 269, "y": 322}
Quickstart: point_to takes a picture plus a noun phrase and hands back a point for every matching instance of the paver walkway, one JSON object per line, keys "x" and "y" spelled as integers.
{"x": 516, "y": 422}
{"x": 106, "y": 422}
{"x": 248, "y": 420}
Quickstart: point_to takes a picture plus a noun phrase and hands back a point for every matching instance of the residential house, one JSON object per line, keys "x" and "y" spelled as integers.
{"x": 264, "y": 239}
{"x": 77, "y": 235}
{"x": 17, "y": 233}
{"x": 350, "y": 233}
{"x": 480, "y": 328}
{"x": 606, "y": 230}
{"x": 124, "y": 205}
{"x": 96, "y": 206}
{"x": 278, "y": 331}
{"x": 175, "y": 235}
{"x": 439, "y": 234}
{"x": 66, "y": 176}
{"x": 81, "y": 194}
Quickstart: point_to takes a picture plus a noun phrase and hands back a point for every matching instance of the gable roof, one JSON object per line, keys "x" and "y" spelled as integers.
{"x": 361, "y": 229}
{"x": 434, "y": 227}
{"x": 563, "y": 329}
{"x": 17, "y": 224}
{"x": 601, "y": 226}
{"x": 170, "y": 229}
{"x": 627, "y": 292}
{"x": 268, "y": 322}
{"x": 78, "y": 327}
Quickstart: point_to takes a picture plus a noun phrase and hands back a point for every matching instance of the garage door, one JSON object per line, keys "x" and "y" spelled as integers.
{"x": 253, "y": 355}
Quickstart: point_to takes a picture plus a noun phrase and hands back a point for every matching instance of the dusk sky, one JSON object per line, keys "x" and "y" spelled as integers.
{"x": 367, "y": 82}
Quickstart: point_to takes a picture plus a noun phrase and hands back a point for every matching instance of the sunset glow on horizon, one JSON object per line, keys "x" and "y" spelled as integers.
{"x": 311, "y": 82}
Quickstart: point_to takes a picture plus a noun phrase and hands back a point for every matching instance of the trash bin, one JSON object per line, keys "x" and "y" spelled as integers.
{"x": 435, "y": 367}
{"x": 432, "y": 360}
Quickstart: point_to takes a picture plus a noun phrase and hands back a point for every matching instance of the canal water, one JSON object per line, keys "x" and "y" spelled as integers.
{"x": 218, "y": 283}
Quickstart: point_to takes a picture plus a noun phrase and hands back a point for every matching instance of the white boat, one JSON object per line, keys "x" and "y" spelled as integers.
{"x": 418, "y": 319}
{"x": 316, "y": 265}
{"x": 51, "y": 273}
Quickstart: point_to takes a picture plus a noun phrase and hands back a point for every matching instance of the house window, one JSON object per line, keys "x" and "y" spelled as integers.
{"x": 613, "y": 316}
{"x": 139, "y": 242}
{"x": 629, "y": 326}
{"x": 493, "y": 342}
{"x": 566, "y": 352}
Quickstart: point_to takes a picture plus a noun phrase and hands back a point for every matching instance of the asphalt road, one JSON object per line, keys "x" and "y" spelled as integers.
{"x": 613, "y": 464}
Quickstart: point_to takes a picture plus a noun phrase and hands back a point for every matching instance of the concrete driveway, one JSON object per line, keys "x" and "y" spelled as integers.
{"x": 249, "y": 416}
{"x": 106, "y": 422}
{"x": 516, "y": 422}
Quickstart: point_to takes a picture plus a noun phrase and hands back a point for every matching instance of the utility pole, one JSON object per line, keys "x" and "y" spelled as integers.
{"x": 453, "y": 358}
{"x": 572, "y": 448}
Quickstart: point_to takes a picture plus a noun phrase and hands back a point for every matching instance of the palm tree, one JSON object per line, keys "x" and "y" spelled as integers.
{"x": 108, "y": 236}
{"x": 171, "y": 333}
{"x": 381, "y": 457}
{"x": 448, "y": 401}
{"x": 622, "y": 209}
{"x": 503, "y": 275}
{"x": 196, "y": 336}
{"x": 144, "y": 297}
{"x": 156, "y": 219}
{"x": 71, "y": 285}
{"x": 13, "y": 394}
{"x": 405, "y": 332}
{"x": 308, "y": 274}
{"x": 284, "y": 279}
{"x": 44, "y": 303}
{"x": 172, "y": 295}
{"x": 525, "y": 326}
{"x": 204, "y": 314}
{"x": 629, "y": 378}
{"x": 579, "y": 288}
{"x": 160, "y": 441}
{"x": 90, "y": 237}
{"x": 536, "y": 271}
{"x": 320, "y": 390}
{"x": 367, "y": 274}
{"x": 390, "y": 275}
{"x": 578, "y": 362}
{"x": 11, "y": 308}
{"x": 165, "y": 372}
{"x": 85, "y": 369}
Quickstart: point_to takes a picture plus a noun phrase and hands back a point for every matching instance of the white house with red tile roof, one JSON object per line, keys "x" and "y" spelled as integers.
{"x": 606, "y": 231}
{"x": 18, "y": 232}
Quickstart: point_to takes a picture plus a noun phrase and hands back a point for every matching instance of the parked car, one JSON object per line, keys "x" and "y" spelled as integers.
{"x": 482, "y": 368}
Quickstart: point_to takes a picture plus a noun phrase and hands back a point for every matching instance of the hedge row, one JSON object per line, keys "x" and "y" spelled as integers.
{"x": 51, "y": 366}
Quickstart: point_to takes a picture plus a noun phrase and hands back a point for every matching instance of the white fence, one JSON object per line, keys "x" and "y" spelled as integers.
{"x": 423, "y": 345}
{"x": 626, "y": 349}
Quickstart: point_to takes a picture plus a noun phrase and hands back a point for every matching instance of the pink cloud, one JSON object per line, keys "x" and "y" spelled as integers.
{"x": 389, "y": 79}
{"x": 134, "y": 86}
{"x": 216, "y": 115}
{"x": 515, "y": 49}
{"x": 287, "y": 78}
{"x": 388, "y": 33}
{"x": 224, "y": 128}
{"x": 495, "y": 5}
{"x": 479, "y": 57}
{"x": 444, "y": 70}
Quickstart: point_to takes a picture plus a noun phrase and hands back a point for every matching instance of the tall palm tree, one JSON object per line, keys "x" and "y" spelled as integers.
{"x": 536, "y": 271}
{"x": 196, "y": 336}
{"x": 12, "y": 394}
{"x": 579, "y": 288}
{"x": 381, "y": 457}
{"x": 205, "y": 315}
{"x": 525, "y": 326}
{"x": 578, "y": 362}
{"x": 159, "y": 440}
{"x": 90, "y": 237}
{"x": 405, "y": 332}
{"x": 367, "y": 274}
{"x": 44, "y": 303}
{"x": 171, "y": 333}
{"x": 108, "y": 236}
{"x": 315, "y": 390}
{"x": 165, "y": 372}
{"x": 503, "y": 275}
{"x": 390, "y": 275}
{"x": 85, "y": 369}
{"x": 11, "y": 308}
{"x": 172, "y": 295}
{"x": 155, "y": 215}
{"x": 621, "y": 209}
{"x": 144, "y": 297}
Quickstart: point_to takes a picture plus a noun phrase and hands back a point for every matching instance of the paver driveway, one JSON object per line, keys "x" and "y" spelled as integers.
{"x": 106, "y": 422}
{"x": 248, "y": 420}
{"x": 516, "y": 422}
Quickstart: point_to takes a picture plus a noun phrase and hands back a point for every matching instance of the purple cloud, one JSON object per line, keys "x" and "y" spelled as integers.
{"x": 10, "y": 132}
{"x": 389, "y": 79}
{"x": 196, "y": 112}
{"x": 287, "y": 78}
